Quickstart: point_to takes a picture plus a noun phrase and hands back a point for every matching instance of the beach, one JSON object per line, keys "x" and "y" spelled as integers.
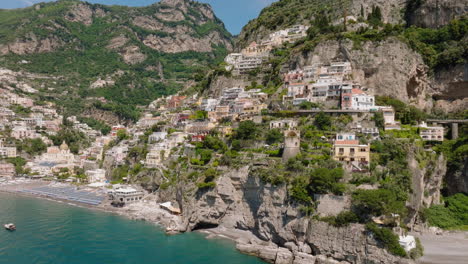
{"x": 447, "y": 248}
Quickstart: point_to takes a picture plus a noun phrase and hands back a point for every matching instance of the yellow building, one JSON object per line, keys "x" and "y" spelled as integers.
{"x": 351, "y": 151}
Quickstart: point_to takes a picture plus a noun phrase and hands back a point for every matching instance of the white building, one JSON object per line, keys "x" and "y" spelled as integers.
{"x": 209, "y": 104}
{"x": 157, "y": 136}
{"x": 22, "y": 132}
{"x": 407, "y": 242}
{"x": 157, "y": 155}
{"x": 431, "y": 133}
{"x": 98, "y": 175}
{"x": 283, "y": 124}
{"x": 7, "y": 152}
{"x": 124, "y": 196}
{"x": 362, "y": 102}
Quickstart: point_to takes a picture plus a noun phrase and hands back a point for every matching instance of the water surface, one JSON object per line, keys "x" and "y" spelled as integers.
{"x": 50, "y": 232}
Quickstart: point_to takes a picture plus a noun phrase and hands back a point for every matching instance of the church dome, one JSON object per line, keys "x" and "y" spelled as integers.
{"x": 64, "y": 146}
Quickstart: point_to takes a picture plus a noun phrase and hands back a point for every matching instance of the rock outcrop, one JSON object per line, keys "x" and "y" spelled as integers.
{"x": 388, "y": 67}
{"x": 241, "y": 201}
{"x": 427, "y": 178}
{"x": 436, "y": 13}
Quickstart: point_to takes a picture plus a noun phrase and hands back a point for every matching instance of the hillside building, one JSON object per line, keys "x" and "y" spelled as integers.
{"x": 431, "y": 133}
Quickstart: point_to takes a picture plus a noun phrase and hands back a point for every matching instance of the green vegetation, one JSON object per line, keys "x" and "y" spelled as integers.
{"x": 83, "y": 56}
{"x": 246, "y": 130}
{"x": 387, "y": 238}
{"x": 323, "y": 121}
{"x": 96, "y": 124}
{"x": 209, "y": 179}
{"x": 440, "y": 47}
{"x": 378, "y": 202}
{"x": 74, "y": 139}
{"x": 323, "y": 181}
{"x": 403, "y": 112}
{"x": 18, "y": 162}
{"x": 453, "y": 214}
{"x": 31, "y": 146}
{"x": 122, "y": 135}
{"x": 274, "y": 136}
{"x": 343, "y": 219}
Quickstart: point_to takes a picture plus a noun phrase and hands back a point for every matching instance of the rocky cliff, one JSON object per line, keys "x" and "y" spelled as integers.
{"x": 436, "y": 13}
{"x": 282, "y": 235}
{"x": 388, "y": 67}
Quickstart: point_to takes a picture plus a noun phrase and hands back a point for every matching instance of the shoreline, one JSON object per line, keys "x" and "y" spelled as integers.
{"x": 146, "y": 210}
{"x": 449, "y": 245}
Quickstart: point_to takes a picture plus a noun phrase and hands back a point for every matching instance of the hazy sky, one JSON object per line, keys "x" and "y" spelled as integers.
{"x": 234, "y": 13}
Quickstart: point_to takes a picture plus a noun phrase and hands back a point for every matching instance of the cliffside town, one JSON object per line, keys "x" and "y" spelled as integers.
{"x": 325, "y": 138}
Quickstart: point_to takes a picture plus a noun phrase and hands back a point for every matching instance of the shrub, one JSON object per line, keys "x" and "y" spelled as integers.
{"x": 323, "y": 121}
{"x": 377, "y": 202}
{"x": 343, "y": 219}
{"x": 274, "y": 136}
{"x": 387, "y": 238}
{"x": 298, "y": 190}
{"x": 418, "y": 251}
{"x": 452, "y": 215}
{"x": 247, "y": 130}
{"x": 323, "y": 181}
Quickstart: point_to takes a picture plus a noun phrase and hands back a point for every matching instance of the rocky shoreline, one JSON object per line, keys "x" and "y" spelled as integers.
{"x": 333, "y": 245}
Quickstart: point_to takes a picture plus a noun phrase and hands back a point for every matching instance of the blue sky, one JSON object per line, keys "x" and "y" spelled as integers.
{"x": 234, "y": 13}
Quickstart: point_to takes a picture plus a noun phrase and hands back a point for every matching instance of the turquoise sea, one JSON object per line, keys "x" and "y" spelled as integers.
{"x": 55, "y": 233}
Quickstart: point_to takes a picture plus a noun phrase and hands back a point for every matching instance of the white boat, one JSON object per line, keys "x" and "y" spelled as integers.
{"x": 10, "y": 227}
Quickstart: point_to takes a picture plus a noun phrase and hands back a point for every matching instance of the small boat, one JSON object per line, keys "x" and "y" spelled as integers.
{"x": 10, "y": 227}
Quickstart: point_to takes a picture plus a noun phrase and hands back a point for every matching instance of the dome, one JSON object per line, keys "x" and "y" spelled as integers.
{"x": 64, "y": 146}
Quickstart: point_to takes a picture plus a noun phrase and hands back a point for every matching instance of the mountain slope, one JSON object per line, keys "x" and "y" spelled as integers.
{"x": 127, "y": 55}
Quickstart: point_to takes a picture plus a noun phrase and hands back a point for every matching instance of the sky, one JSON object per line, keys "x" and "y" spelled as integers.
{"x": 234, "y": 13}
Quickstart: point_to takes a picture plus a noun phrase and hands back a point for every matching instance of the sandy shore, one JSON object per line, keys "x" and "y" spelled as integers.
{"x": 449, "y": 248}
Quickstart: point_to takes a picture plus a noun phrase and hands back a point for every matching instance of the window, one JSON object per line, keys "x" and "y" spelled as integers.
{"x": 363, "y": 159}
{"x": 341, "y": 159}
{"x": 352, "y": 159}
{"x": 363, "y": 150}
{"x": 341, "y": 150}
{"x": 351, "y": 150}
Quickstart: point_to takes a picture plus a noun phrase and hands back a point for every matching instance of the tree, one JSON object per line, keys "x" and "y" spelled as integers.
{"x": 379, "y": 120}
{"x": 308, "y": 105}
{"x": 323, "y": 181}
{"x": 122, "y": 134}
{"x": 375, "y": 17}
{"x": 378, "y": 202}
{"x": 214, "y": 143}
{"x": 274, "y": 136}
{"x": 199, "y": 115}
{"x": 323, "y": 121}
{"x": 247, "y": 130}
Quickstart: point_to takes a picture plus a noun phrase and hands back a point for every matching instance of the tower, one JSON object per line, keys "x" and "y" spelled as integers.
{"x": 292, "y": 144}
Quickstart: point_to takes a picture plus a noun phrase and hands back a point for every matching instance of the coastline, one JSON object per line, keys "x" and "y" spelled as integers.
{"x": 437, "y": 247}
{"x": 146, "y": 210}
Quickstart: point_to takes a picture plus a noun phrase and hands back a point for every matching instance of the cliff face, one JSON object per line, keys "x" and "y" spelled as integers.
{"x": 427, "y": 178}
{"x": 436, "y": 13}
{"x": 241, "y": 201}
{"x": 388, "y": 68}
{"x": 286, "y": 13}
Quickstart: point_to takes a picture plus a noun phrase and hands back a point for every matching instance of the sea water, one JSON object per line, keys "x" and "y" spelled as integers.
{"x": 49, "y": 232}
